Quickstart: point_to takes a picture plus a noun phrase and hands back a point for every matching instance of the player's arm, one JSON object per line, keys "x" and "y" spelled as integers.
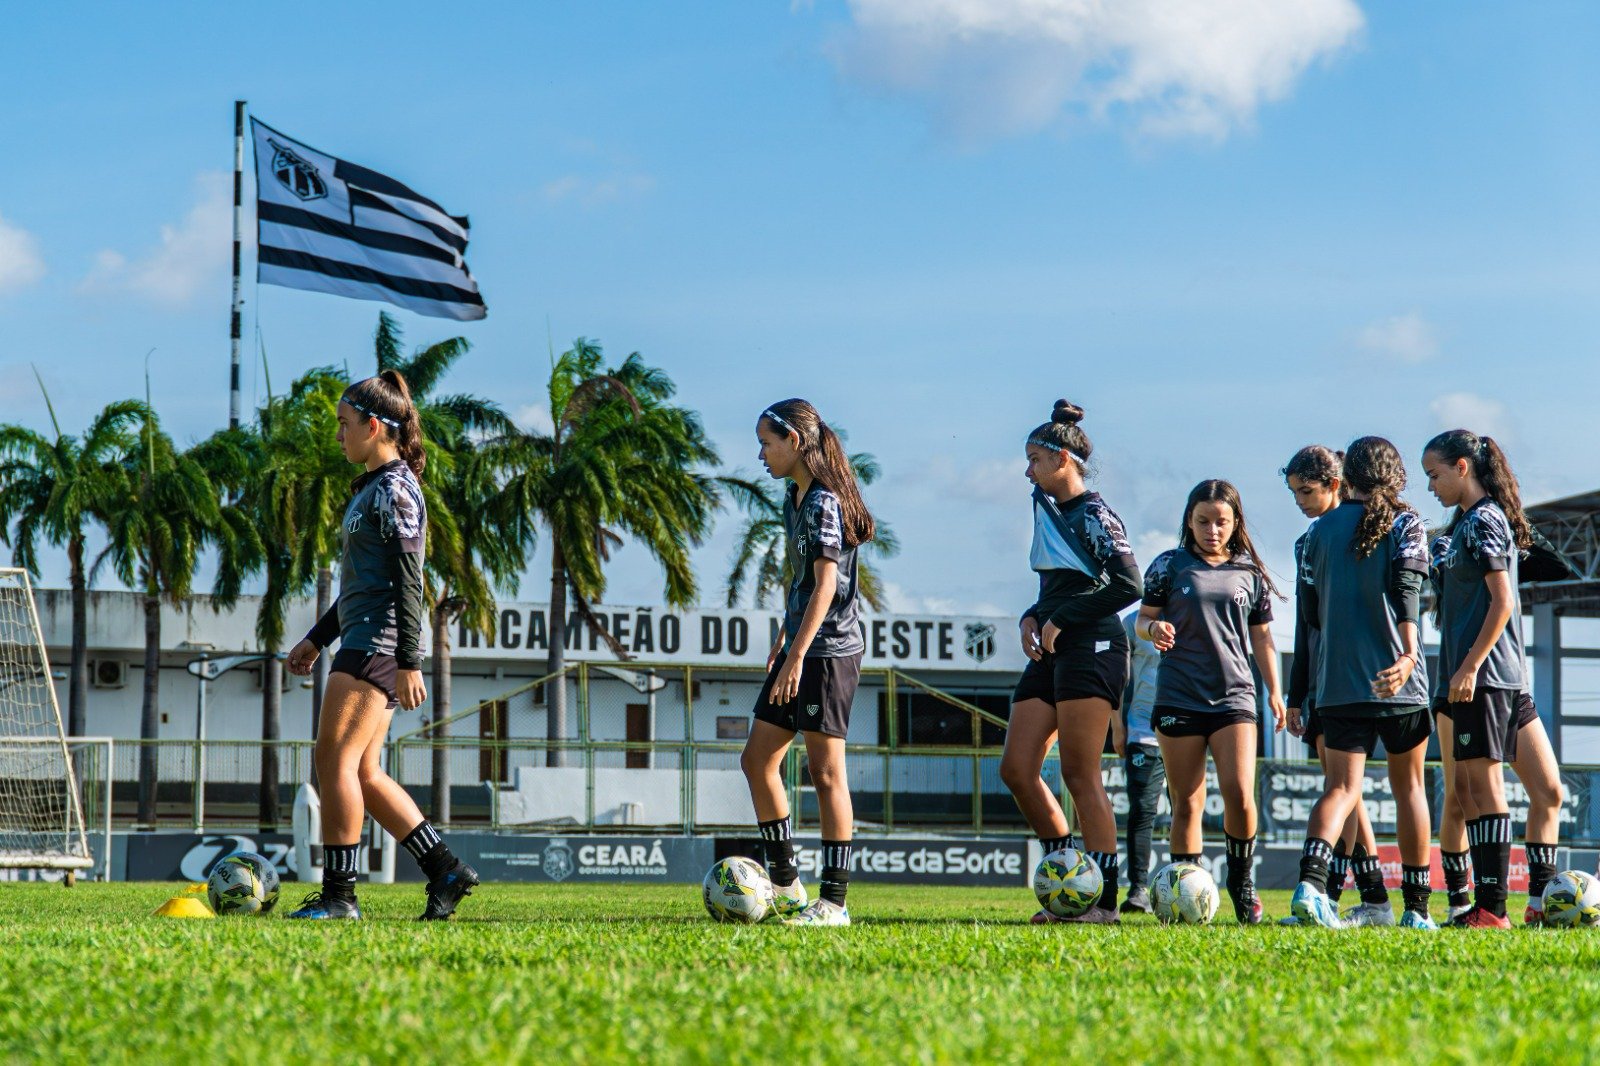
{"x": 1465, "y": 681}
{"x": 303, "y": 656}
{"x": 1266, "y": 656}
{"x": 787, "y": 684}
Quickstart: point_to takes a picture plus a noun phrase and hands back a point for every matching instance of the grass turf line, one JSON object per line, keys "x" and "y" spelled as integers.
{"x": 639, "y": 973}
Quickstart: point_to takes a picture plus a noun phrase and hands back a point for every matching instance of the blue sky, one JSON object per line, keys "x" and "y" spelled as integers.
{"x": 1225, "y": 231}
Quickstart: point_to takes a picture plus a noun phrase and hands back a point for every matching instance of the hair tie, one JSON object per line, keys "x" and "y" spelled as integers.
{"x": 1483, "y": 449}
{"x": 1058, "y": 449}
{"x": 772, "y": 416}
{"x": 369, "y": 412}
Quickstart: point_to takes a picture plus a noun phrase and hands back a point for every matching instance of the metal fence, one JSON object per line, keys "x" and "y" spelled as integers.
{"x": 638, "y": 756}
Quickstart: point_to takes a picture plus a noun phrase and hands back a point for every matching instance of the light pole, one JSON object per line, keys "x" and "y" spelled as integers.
{"x": 207, "y": 670}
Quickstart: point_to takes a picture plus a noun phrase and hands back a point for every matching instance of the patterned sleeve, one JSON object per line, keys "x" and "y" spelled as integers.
{"x": 1104, "y": 534}
{"x": 1261, "y": 606}
{"x": 1410, "y": 542}
{"x": 1304, "y": 572}
{"x": 400, "y": 512}
{"x": 1487, "y": 535}
{"x": 824, "y": 528}
{"x": 1158, "y": 581}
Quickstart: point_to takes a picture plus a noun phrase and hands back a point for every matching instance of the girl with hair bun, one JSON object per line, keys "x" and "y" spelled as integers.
{"x": 1362, "y": 566}
{"x": 1077, "y": 651}
{"x": 1484, "y": 673}
{"x": 377, "y": 620}
{"x": 1315, "y": 475}
{"x": 815, "y": 664}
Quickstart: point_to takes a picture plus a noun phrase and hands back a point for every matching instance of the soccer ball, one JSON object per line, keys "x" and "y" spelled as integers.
{"x": 737, "y": 890}
{"x": 1185, "y": 893}
{"x": 1067, "y": 883}
{"x": 242, "y": 883}
{"x": 1572, "y": 899}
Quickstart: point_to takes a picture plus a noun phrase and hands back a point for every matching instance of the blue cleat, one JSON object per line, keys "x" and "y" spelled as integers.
{"x": 1313, "y": 907}
{"x": 454, "y": 885}
{"x": 314, "y": 906}
{"x": 1417, "y": 920}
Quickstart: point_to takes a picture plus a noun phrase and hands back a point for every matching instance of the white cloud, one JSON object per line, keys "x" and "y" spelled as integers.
{"x": 993, "y": 68}
{"x": 1409, "y": 338}
{"x": 192, "y": 253}
{"x": 1468, "y": 410}
{"x": 592, "y": 191}
{"x": 20, "y": 262}
{"x": 534, "y": 417}
{"x": 903, "y": 601}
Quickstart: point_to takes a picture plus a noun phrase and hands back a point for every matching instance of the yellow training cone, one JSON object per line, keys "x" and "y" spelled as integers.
{"x": 197, "y": 887}
{"x": 184, "y": 907}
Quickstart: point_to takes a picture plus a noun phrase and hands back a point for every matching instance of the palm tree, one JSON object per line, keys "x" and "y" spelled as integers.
{"x": 761, "y": 541}
{"x": 469, "y": 554}
{"x": 160, "y": 516}
{"x": 620, "y": 459}
{"x": 54, "y": 488}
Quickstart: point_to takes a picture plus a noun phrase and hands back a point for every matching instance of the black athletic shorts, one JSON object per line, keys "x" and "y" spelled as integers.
{"x": 827, "y": 689}
{"x": 1179, "y": 722}
{"x": 379, "y": 671}
{"x": 1081, "y": 668}
{"x": 1313, "y": 723}
{"x": 1486, "y": 728}
{"x": 1527, "y": 711}
{"x": 1355, "y": 727}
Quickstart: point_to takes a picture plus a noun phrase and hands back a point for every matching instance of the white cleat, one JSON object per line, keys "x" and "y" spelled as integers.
{"x": 1456, "y": 912}
{"x": 821, "y": 912}
{"x": 788, "y": 900}
{"x": 1313, "y": 907}
{"x": 1370, "y": 915}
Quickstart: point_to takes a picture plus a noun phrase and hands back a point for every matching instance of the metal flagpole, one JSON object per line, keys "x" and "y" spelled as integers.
{"x": 238, "y": 226}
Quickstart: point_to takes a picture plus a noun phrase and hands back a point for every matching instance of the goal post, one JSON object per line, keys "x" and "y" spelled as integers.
{"x": 41, "y": 806}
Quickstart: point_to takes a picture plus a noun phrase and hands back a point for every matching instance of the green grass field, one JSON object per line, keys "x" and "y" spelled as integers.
{"x": 627, "y": 974}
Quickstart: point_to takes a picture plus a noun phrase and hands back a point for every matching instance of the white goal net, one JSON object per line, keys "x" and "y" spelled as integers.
{"x": 41, "y": 809}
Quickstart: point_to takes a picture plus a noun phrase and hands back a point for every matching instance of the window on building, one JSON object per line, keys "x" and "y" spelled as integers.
{"x": 638, "y": 731}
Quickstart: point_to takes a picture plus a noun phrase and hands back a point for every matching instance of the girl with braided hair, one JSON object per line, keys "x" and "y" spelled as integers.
{"x": 1362, "y": 566}
{"x": 815, "y": 664}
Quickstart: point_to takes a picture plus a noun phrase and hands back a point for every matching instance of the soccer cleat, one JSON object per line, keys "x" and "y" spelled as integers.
{"x": 1370, "y": 915}
{"x": 1096, "y": 916}
{"x": 1457, "y": 910}
{"x": 1247, "y": 909}
{"x": 1533, "y": 917}
{"x": 454, "y": 885}
{"x": 1044, "y": 917}
{"x": 789, "y": 900}
{"x": 1417, "y": 920}
{"x": 1313, "y": 907}
{"x": 821, "y": 912}
{"x": 315, "y": 906}
{"x": 1138, "y": 902}
{"x": 1290, "y": 919}
{"x": 1478, "y": 918}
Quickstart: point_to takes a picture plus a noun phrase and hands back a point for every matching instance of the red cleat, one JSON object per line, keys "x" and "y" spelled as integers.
{"x": 1533, "y": 917}
{"x": 1478, "y": 918}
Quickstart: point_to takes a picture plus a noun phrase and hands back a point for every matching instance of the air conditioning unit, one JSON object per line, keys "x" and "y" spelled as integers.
{"x": 108, "y": 673}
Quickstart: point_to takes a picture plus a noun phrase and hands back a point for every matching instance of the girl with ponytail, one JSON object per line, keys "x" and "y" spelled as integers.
{"x": 1315, "y": 475}
{"x": 1362, "y": 566}
{"x": 377, "y": 620}
{"x": 1485, "y": 715}
{"x": 1077, "y": 653}
{"x": 815, "y": 664}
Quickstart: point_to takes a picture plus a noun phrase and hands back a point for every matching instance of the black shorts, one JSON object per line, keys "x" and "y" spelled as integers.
{"x": 1081, "y": 668}
{"x": 1178, "y": 722}
{"x": 1360, "y": 729}
{"x": 1486, "y": 728}
{"x": 379, "y": 671}
{"x": 1313, "y": 723}
{"x": 827, "y": 689}
{"x": 1527, "y": 711}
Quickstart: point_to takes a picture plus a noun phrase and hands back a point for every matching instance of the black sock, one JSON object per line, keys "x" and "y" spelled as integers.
{"x": 1369, "y": 876}
{"x": 1338, "y": 868}
{"x": 778, "y": 841}
{"x": 1489, "y": 838}
{"x": 1051, "y": 844}
{"x": 1457, "y": 870}
{"x": 1314, "y": 859}
{"x": 835, "y": 870}
{"x": 430, "y": 851}
{"x": 1241, "y": 867}
{"x": 1188, "y": 856}
{"x": 1109, "y": 865}
{"x": 1416, "y": 885}
{"x": 1541, "y": 868}
{"x": 339, "y": 871}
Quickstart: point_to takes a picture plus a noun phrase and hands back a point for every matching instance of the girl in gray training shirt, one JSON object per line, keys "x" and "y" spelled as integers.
{"x": 1208, "y": 608}
{"x": 1480, "y": 647}
{"x": 377, "y": 620}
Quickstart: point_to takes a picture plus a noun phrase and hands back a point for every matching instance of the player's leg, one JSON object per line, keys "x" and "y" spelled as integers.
{"x": 1453, "y": 853}
{"x": 1536, "y": 767}
{"x": 1233, "y": 747}
{"x": 1347, "y": 742}
{"x": 1406, "y": 741}
{"x": 1146, "y": 781}
{"x": 827, "y": 691}
{"x": 762, "y": 762}
{"x": 352, "y": 712}
{"x": 1185, "y": 761}
{"x": 1339, "y": 865}
{"x": 1082, "y": 726}
{"x": 1485, "y": 738}
{"x": 1374, "y": 908}
{"x": 1029, "y": 733}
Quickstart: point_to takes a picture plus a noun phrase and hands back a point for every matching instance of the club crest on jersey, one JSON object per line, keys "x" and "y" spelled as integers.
{"x": 355, "y": 523}
{"x": 1138, "y": 759}
{"x": 296, "y": 173}
{"x": 1240, "y": 597}
{"x": 1187, "y": 589}
{"x": 980, "y": 641}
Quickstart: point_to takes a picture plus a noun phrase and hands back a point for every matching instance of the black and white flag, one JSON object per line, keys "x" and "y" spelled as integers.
{"x": 330, "y": 226}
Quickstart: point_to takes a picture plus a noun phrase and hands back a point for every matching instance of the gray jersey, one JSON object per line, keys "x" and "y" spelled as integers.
{"x": 1143, "y": 678}
{"x": 1481, "y": 542}
{"x": 386, "y": 517}
{"x": 1313, "y": 635}
{"x": 814, "y": 530}
{"x": 1212, "y": 607}
{"x": 1354, "y": 607}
